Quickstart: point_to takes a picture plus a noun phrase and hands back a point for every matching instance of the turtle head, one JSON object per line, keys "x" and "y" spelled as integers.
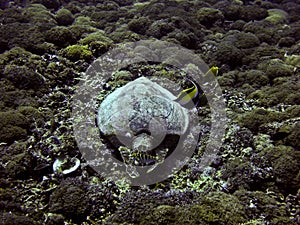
{"x": 141, "y": 153}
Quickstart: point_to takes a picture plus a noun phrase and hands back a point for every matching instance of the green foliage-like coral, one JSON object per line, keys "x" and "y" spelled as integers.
{"x": 215, "y": 208}
{"x": 257, "y": 117}
{"x": 208, "y": 16}
{"x": 64, "y": 17}
{"x": 77, "y": 52}
{"x": 12, "y": 126}
{"x": 286, "y": 163}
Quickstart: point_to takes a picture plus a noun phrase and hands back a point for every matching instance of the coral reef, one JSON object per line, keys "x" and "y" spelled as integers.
{"x": 45, "y": 47}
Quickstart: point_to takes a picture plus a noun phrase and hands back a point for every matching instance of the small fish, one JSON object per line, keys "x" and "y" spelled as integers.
{"x": 194, "y": 96}
{"x": 214, "y": 70}
{"x": 188, "y": 97}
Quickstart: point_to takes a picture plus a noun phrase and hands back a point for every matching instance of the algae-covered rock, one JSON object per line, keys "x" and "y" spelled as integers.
{"x": 286, "y": 42}
{"x": 284, "y": 92}
{"x": 293, "y": 134}
{"x": 18, "y": 166}
{"x": 276, "y": 68}
{"x": 38, "y": 15}
{"x": 277, "y": 16}
{"x": 243, "y": 174}
{"x": 139, "y": 25}
{"x": 208, "y": 16}
{"x": 23, "y": 77}
{"x": 242, "y": 40}
{"x": 123, "y": 35}
{"x": 20, "y": 34}
{"x": 18, "y": 161}
{"x": 64, "y": 17}
{"x": 160, "y": 28}
{"x": 228, "y": 54}
{"x": 99, "y": 35}
{"x": 285, "y": 161}
{"x": 124, "y": 2}
{"x": 263, "y": 30}
{"x": 13, "y": 54}
{"x": 228, "y": 79}
{"x": 50, "y": 4}
{"x": 293, "y": 60}
{"x": 10, "y": 134}
{"x": 9, "y": 218}
{"x": 287, "y": 133}
{"x": 238, "y": 25}
{"x": 55, "y": 219}
{"x": 13, "y": 126}
{"x": 253, "y": 58}
{"x": 186, "y": 39}
{"x": 60, "y": 36}
{"x": 257, "y": 117}
{"x": 214, "y": 208}
{"x": 77, "y": 52}
{"x": 32, "y": 114}
{"x": 259, "y": 203}
{"x": 252, "y": 12}
{"x": 76, "y": 200}
{"x": 97, "y": 41}
{"x": 104, "y": 17}
{"x": 70, "y": 200}
{"x": 255, "y": 78}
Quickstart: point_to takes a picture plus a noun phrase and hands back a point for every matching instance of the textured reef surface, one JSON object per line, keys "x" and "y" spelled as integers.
{"x": 45, "y": 47}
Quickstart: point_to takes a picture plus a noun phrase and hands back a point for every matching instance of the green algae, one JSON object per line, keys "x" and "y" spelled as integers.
{"x": 64, "y": 17}
{"x": 257, "y": 117}
{"x": 285, "y": 161}
{"x": 208, "y": 16}
{"x": 214, "y": 208}
{"x": 277, "y": 16}
{"x": 77, "y": 52}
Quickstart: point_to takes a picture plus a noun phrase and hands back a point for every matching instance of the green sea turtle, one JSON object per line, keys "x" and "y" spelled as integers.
{"x": 142, "y": 123}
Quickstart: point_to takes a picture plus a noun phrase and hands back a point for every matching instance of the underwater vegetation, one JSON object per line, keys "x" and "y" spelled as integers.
{"x": 45, "y": 47}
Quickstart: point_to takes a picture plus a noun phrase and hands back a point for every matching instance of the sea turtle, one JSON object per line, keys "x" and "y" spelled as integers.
{"x": 142, "y": 123}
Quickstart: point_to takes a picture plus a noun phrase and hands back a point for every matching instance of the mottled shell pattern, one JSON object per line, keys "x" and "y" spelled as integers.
{"x": 142, "y": 120}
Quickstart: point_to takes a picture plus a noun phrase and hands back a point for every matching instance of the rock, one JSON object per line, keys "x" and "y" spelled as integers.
{"x": 275, "y": 68}
{"x": 243, "y": 40}
{"x": 70, "y": 200}
{"x": 285, "y": 161}
{"x": 77, "y": 52}
{"x": 252, "y": 12}
{"x": 64, "y": 17}
{"x": 256, "y": 78}
{"x": 257, "y": 117}
{"x": 208, "y": 16}
{"x": 268, "y": 204}
{"x": 50, "y": 4}
{"x": 160, "y": 28}
{"x": 139, "y": 25}
{"x": 208, "y": 210}
{"x": 228, "y": 54}
{"x": 286, "y": 42}
{"x": 60, "y": 36}
{"x": 13, "y": 126}
{"x": 264, "y": 30}
{"x": 99, "y": 35}
{"x": 22, "y": 77}
{"x": 38, "y": 15}
{"x": 277, "y": 16}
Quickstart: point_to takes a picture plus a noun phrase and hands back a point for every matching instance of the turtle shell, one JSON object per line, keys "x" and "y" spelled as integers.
{"x": 142, "y": 115}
